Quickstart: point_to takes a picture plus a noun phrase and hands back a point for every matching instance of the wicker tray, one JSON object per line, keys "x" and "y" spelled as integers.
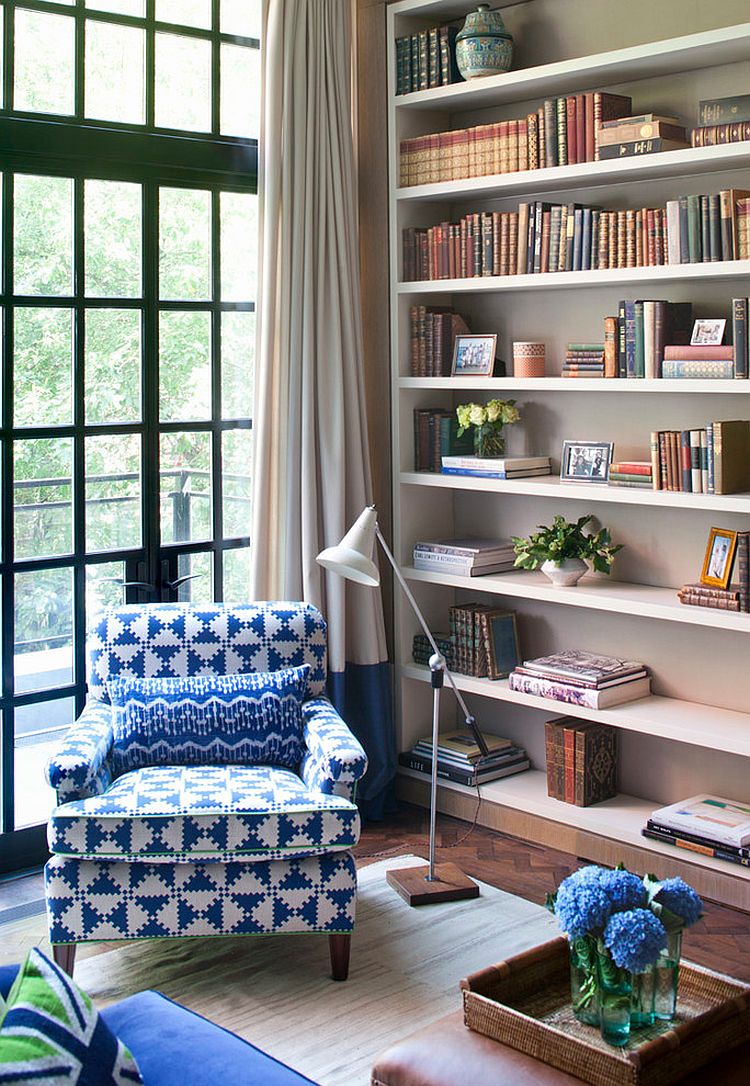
{"x": 524, "y": 1002}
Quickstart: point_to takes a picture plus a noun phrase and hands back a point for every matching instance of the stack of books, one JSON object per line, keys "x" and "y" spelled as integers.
{"x": 581, "y": 760}
{"x": 581, "y": 678}
{"x": 584, "y": 360}
{"x": 421, "y": 649}
{"x": 712, "y": 460}
{"x": 734, "y": 598}
{"x": 497, "y": 467}
{"x": 706, "y": 824}
{"x": 435, "y": 435}
{"x": 644, "y": 135}
{"x": 433, "y": 331}
{"x": 722, "y": 120}
{"x": 480, "y": 647}
{"x": 469, "y": 557}
{"x": 631, "y": 473}
{"x": 714, "y": 362}
{"x": 460, "y": 759}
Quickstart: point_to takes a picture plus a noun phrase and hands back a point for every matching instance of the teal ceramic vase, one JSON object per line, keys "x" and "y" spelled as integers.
{"x": 483, "y": 45}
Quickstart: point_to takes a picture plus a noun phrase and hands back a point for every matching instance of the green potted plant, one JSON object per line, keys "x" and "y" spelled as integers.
{"x": 562, "y": 549}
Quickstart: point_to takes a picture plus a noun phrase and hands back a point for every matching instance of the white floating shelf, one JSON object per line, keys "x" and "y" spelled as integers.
{"x": 668, "y": 718}
{"x": 709, "y": 48}
{"x": 618, "y": 819}
{"x": 604, "y": 277}
{"x": 592, "y": 593}
{"x": 665, "y": 164}
{"x": 572, "y": 384}
{"x": 550, "y": 486}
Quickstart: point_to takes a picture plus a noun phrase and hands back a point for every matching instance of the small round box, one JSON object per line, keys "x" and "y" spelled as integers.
{"x": 528, "y": 360}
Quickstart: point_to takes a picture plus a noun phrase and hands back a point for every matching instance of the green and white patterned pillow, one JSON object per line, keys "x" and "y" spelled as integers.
{"x": 52, "y": 1035}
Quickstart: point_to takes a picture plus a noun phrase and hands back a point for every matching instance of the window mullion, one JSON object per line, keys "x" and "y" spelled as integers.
{"x": 79, "y": 444}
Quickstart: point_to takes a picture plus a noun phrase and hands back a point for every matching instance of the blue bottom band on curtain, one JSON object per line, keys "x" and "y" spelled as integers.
{"x": 362, "y": 696}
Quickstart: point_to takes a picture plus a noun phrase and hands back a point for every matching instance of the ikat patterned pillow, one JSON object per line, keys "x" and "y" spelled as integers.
{"x": 209, "y": 720}
{"x": 52, "y": 1034}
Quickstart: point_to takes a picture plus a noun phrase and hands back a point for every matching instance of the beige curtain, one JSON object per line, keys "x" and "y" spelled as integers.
{"x": 312, "y": 473}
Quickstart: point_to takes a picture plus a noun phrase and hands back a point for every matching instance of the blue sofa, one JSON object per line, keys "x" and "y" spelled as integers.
{"x": 175, "y": 1047}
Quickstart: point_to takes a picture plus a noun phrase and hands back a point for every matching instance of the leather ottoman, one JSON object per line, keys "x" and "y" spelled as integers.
{"x": 448, "y": 1054}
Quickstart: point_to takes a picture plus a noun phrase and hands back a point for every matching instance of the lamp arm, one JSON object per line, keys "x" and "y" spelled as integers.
{"x": 470, "y": 721}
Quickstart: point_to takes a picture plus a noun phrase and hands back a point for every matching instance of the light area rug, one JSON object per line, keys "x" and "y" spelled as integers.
{"x": 276, "y": 992}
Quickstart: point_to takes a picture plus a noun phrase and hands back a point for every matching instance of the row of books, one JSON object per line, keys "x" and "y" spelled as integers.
{"x": 561, "y": 132}
{"x": 426, "y": 59}
{"x": 477, "y": 650}
{"x": 459, "y": 758}
{"x": 584, "y": 360}
{"x": 542, "y": 237}
{"x": 421, "y": 649}
{"x": 436, "y": 436}
{"x": 637, "y": 339}
{"x": 722, "y": 120}
{"x": 496, "y": 467}
{"x": 587, "y": 679}
{"x": 467, "y": 557}
{"x": 714, "y": 459}
{"x": 581, "y": 759}
{"x": 432, "y": 338}
{"x": 707, "y": 824}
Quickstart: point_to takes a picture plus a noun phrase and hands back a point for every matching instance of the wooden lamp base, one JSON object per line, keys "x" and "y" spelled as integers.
{"x": 411, "y": 883}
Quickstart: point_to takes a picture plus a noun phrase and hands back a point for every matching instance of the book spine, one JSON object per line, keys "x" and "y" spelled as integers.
{"x": 588, "y": 105}
{"x": 694, "y": 599}
{"x": 676, "y": 369}
{"x": 740, "y": 338}
{"x": 685, "y": 463}
{"x": 743, "y": 569}
{"x": 562, "y": 131}
{"x": 550, "y": 132}
{"x": 656, "y": 480}
{"x": 710, "y": 488}
{"x": 550, "y": 754}
{"x": 713, "y": 111}
{"x": 571, "y": 130}
{"x": 546, "y": 688}
{"x": 448, "y": 773}
{"x": 569, "y": 754}
{"x": 704, "y": 462}
{"x": 695, "y": 461}
{"x": 716, "y": 851}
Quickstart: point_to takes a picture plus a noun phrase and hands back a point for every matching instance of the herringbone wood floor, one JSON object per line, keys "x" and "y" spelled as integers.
{"x": 720, "y": 941}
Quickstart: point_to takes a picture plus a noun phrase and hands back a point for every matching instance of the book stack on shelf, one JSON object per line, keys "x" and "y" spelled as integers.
{"x": 644, "y": 135}
{"x": 485, "y": 640}
{"x": 460, "y": 759}
{"x": 426, "y": 59}
{"x": 433, "y": 331}
{"x": 562, "y": 132}
{"x": 421, "y": 649}
{"x": 581, "y": 678}
{"x": 706, "y": 824}
{"x": 541, "y": 237}
{"x": 435, "y": 436}
{"x": 469, "y": 557}
{"x": 496, "y": 467}
{"x": 581, "y": 761}
{"x": 714, "y": 459}
{"x": 722, "y": 120}
{"x": 584, "y": 360}
{"x": 631, "y": 473}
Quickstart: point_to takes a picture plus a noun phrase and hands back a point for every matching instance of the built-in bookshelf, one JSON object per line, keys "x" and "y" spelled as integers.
{"x": 693, "y": 733}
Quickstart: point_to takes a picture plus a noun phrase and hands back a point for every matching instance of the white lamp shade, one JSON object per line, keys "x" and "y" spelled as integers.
{"x": 352, "y": 557}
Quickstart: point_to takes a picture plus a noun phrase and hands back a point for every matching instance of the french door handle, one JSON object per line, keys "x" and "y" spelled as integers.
{"x": 173, "y": 585}
{"x": 130, "y": 584}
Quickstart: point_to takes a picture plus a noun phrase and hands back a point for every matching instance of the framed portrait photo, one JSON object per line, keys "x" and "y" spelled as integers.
{"x": 719, "y": 558}
{"x": 474, "y": 355}
{"x": 708, "y": 332}
{"x": 586, "y": 461}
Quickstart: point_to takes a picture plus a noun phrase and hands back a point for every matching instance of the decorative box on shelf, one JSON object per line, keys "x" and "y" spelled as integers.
{"x": 524, "y": 1002}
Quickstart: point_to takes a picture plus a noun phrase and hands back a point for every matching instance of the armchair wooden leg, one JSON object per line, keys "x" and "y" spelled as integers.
{"x": 339, "y": 946}
{"x": 65, "y": 956}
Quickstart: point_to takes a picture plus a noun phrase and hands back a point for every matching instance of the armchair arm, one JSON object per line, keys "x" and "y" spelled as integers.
{"x": 335, "y": 760}
{"x": 80, "y": 768}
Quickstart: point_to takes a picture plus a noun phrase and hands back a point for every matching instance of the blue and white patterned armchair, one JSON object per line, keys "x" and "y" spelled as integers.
{"x": 203, "y": 849}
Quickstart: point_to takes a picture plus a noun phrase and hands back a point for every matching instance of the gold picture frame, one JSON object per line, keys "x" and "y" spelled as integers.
{"x": 719, "y": 557}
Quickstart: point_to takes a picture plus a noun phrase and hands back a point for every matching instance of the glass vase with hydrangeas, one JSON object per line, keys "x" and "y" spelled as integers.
{"x": 624, "y": 934}
{"x": 488, "y": 421}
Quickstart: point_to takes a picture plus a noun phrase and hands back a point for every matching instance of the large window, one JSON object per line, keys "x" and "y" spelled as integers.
{"x": 128, "y": 150}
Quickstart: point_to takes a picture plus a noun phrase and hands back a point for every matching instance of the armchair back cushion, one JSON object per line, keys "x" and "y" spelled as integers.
{"x": 209, "y": 720}
{"x": 170, "y": 640}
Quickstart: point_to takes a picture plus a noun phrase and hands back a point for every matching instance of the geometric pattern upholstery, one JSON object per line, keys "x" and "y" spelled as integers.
{"x": 96, "y": 900}
{"x": 215, "y": 849}
{"x": 168, "y": 814}
{"x": 173, "y": 639}
{"x": 205, "y": 719}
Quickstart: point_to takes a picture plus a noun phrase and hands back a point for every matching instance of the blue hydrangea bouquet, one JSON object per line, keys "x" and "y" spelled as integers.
{"x": 625, "y": 936}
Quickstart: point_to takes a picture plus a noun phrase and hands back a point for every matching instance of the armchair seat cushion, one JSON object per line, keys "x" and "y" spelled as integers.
{"x": 205, "y": 813}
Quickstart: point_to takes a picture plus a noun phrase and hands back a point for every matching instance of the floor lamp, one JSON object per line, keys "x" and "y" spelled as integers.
{"x": 352, "y": 559}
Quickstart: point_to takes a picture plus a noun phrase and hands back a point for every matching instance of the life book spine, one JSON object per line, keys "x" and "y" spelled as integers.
{"x": 739, "y": 337}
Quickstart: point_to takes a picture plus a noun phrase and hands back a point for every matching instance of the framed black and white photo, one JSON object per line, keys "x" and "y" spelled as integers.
{"x": 474, "y": 355}
{"x": 719, "y": 558}
{"x": 708, "y": 332}
{"x": 586, "y": 461}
